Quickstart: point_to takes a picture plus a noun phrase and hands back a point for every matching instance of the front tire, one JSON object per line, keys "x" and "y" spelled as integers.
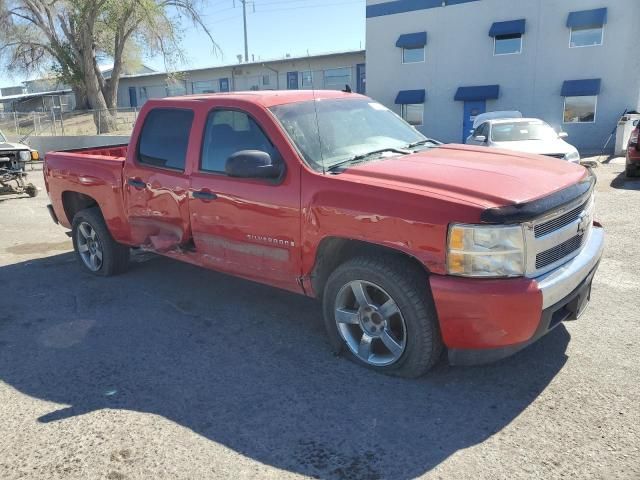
{"x": 379, "y": 311}
{"x": 95, "y": 248}
{"x": 31, "y": 190}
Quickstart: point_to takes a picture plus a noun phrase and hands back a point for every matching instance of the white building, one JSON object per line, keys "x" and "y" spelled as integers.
{"x": 439, "y": 63}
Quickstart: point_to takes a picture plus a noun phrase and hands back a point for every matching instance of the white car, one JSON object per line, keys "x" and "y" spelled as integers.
{"x": 510, "y": 131}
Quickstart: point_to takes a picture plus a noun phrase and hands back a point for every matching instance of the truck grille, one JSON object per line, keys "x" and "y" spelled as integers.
{"x": 558, "y": 252}
{"x": 559, "y": 222}
{"x": 554, "y": 239}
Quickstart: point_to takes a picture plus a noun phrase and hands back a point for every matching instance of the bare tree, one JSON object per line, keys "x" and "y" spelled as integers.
{"x": 72, "y": 36}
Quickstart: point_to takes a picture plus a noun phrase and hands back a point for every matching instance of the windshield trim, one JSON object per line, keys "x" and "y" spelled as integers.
{"x": 2, "y": 137}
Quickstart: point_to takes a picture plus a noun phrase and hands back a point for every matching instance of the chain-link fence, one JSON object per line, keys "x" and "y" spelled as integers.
{"x": 118, "y": 121}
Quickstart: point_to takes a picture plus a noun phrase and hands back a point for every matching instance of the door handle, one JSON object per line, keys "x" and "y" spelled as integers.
{"x": 136, "y": 183}
{"x": 205, "y": 195}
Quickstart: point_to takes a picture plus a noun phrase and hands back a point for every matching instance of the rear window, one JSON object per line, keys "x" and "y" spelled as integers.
{"x": 165, "y": 137}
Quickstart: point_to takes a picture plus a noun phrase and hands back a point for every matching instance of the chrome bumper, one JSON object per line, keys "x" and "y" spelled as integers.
{"x": 560, "y": 282}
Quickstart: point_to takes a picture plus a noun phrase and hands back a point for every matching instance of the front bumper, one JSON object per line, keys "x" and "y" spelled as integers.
{"x": 485, "y": 320}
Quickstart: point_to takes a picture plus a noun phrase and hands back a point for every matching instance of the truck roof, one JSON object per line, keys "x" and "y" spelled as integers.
{"x": 267, "y": 98}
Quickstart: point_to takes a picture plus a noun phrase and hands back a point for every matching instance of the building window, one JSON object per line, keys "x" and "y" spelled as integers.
{"x": 590, "y": 36}
{"x": 307, "y": 79}
{"x": 206, "y": 86}
{"x": 507, "y": 44}
{"x": 413, "y": 55}
{"x": 337, "y": 78}
{"x": 580, "y": 109}
{"x": 413, "y": 114}
{"x": 175, "y": 90}
{"x": 266, "y": 80}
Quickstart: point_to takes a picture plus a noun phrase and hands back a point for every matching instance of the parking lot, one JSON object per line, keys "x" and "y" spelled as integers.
{"x": 171, "y": 371}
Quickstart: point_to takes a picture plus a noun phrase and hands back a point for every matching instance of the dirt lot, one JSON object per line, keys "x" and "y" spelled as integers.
{"x": 171, "y": 371}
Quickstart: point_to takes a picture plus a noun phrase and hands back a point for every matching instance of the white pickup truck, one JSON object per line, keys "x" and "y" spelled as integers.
{"x": 13, "y": 159}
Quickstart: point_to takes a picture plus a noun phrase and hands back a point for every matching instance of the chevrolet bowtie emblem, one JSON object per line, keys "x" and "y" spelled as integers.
{"x": 583, "y": 225}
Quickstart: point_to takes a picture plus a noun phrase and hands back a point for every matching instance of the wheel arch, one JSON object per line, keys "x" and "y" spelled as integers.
{"x": 334, "y": 251}
{"x": 73, "y": 202}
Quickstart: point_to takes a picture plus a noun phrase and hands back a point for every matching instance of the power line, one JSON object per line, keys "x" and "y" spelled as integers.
{"x": 281, "y": 9}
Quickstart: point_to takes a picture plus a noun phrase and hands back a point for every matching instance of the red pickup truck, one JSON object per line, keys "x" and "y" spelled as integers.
{"x": 412, "y": 246}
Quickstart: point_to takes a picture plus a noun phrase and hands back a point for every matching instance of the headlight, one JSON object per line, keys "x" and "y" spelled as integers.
{"x": 485, "y": 251}
{"x": 573, "y": 157}
{"x": 25, "y": 156}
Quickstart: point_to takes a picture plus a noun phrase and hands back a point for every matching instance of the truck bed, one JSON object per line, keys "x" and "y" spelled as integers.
{"x": 93, "y": 172}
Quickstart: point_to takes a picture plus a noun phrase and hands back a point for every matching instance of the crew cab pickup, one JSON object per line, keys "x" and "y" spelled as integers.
{"x": 411, "y": 245}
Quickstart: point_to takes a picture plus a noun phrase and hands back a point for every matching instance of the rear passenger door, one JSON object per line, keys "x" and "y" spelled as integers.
{"x": 248, "y": 227}
{"x": 156, "y": 187}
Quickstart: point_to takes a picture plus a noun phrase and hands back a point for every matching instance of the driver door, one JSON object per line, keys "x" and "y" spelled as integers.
{"x": 244, "y": 226}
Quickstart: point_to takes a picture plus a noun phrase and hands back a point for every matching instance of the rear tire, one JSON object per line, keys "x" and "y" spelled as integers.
{"x": 631, "y": 172}
{"x": 95, "y": 248}
{"x": 393, "y": 329}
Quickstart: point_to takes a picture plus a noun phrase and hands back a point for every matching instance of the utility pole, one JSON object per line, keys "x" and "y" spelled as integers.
{"x": 246, "y": 43}
{"x": 244, "y": 19}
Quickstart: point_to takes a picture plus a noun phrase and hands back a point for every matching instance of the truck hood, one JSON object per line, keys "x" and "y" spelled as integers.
{"x": 12, "y": 146}
{"x": 541, "y": 147}
{"x": 486, "y": 177}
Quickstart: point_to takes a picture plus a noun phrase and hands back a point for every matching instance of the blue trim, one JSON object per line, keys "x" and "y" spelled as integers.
{"x": 412, "y": 40}
{"x": 410, "y": 97}
{"x": 403, "y": 6}
{"x": 482, "y": 92}
{"x": 587, "y": 18}
{"x": 581, "y": 88}
{"x": 513, "y": 27}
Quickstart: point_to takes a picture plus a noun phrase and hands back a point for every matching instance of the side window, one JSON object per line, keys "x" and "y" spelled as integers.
{"x": 228, "y": 132}
{"x": 165, "y": 137}
{"x": 482, "y": 130}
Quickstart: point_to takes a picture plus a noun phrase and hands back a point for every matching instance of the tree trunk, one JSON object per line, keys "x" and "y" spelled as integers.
{"x": 82, "y": 102}
{"x": 105, "y": 122}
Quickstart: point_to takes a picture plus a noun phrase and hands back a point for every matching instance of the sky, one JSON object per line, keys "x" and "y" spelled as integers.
{"x": 277, "y": 27}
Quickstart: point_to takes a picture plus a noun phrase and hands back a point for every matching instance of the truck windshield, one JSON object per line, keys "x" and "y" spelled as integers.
{"x": 342, "y": 129}
{"x": 522, "y": 131}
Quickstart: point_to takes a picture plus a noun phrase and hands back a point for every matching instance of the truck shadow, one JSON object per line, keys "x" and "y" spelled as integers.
{"x": 245, "y": 366}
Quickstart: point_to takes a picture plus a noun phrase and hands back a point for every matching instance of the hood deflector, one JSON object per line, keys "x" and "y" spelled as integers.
{"x": 524, "y": 212}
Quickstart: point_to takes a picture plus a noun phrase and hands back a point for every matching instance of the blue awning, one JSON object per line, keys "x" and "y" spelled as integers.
{"x": 408, "y": 97}
{"x": 587, "y": 18}
{"x": 581, "y": 88}
{"x": 512, "y": 27}
{"x": 412, "y": 40}
{"x": 483, "y": 92}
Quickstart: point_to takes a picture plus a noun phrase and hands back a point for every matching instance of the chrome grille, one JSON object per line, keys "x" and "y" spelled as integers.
{"x": 559, "y": 222}
{"x": 558, "y": 252}
{"x": 557, "y": 237}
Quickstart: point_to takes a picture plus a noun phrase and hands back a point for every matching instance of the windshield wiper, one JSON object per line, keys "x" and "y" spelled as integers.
{"x": 421, "y": 142}
{"x": 363, "y": 156}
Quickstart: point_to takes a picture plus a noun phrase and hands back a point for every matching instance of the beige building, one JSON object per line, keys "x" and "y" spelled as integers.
{"x": 331, "y": 71}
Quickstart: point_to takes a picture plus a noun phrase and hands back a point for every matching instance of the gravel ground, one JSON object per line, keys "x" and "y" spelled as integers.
{"x": 171, "y": 371}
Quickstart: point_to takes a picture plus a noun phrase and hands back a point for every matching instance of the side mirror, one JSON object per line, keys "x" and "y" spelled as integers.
{"x": 472, "y": 130}
{"x": 252, "y": 164}
{"x": 480, "y": 138}
{"x": 563, "y": 135}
